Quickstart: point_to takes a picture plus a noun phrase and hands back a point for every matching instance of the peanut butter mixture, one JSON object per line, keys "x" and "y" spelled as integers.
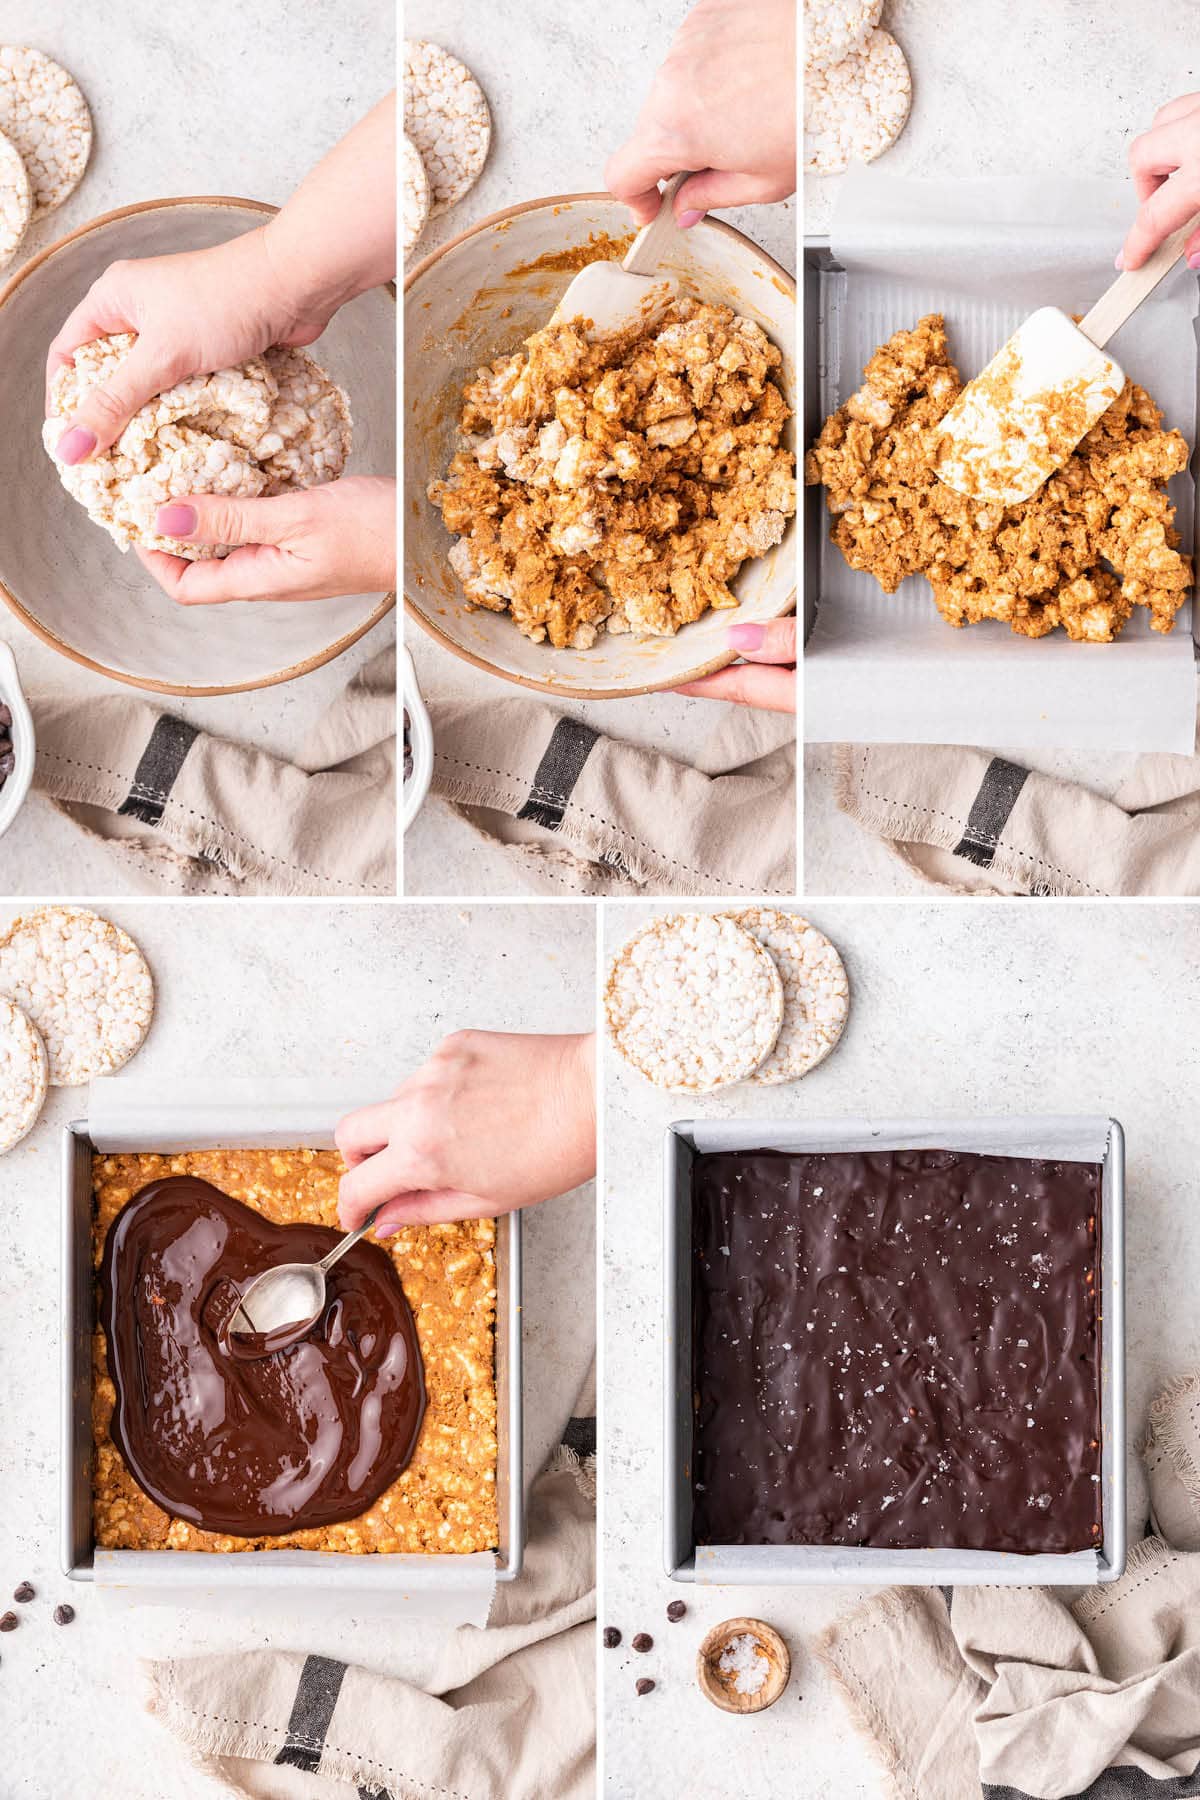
{"x": 445, "y": 1501}
{"x": 1095, "y": 541}
{"x": 621, "y": 483}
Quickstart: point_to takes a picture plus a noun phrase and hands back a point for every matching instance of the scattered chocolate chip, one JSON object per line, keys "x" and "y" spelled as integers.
{"x": 24, "y": 1593}
{"x": 63, "y": 1615}
{"x": 645, "y": 1685}
{"x": 676, "y": 1611}
{"x": 643, "y": 1641}
{"x": 9, "y": 1622}
{"x": 612, "y": 1637}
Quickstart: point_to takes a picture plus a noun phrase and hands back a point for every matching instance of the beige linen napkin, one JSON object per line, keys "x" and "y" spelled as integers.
{"x": 184, "y": 812}
{"x": 625, "y": 820}
{"x": 1018, "y": 1694}
{"x": 978, "y": 823}
{"x": 503, "y": 1714}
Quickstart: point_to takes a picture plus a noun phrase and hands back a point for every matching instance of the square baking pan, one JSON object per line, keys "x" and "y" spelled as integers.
{"x": 786, "y": 1565}
{"x": 298, "y": 1569}
{"x": 931, "y": 683}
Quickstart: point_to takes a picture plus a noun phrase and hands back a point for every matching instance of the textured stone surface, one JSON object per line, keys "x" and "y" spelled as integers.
{"x": 955, "y": 1009}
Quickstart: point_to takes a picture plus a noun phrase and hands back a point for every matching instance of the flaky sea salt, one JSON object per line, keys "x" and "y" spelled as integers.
{"x": 745, "y": 1660}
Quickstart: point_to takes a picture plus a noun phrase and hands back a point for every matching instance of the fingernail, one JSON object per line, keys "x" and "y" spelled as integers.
{"x": 75, "y": 445}
{"x": 175, "y": 520}
{"x": 687, "y": 219}
{"x": 747, "y": 637}
{"x": 1119, "y": 260}
{"x": 1194, "y": 260}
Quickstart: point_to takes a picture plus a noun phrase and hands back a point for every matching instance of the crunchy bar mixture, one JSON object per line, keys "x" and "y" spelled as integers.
{"x": 445, "y": 1501}
{"x": 1097, "y": 540}
{"x": 621, "y": 483}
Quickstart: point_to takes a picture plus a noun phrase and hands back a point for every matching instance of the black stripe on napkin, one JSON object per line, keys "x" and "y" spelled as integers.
{"x": 580, "y": 1436}
{"x": 991, "y": 810}
{"x": 1125, "y": 1783}
{"x": 312, "y": 1709}
{"x": 158, "y": 770}
{"x": 560, "y": 768}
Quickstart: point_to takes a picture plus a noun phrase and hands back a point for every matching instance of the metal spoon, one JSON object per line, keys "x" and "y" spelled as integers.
{"x": 282, "y": 1303}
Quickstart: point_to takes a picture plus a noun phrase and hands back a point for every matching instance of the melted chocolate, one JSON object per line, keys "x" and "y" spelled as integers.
{"x": 896, "y": 1349}
{"x": 283, "y": 1440}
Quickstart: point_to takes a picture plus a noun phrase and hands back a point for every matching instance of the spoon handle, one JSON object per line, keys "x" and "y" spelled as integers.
{"x": 351, "y": 1238}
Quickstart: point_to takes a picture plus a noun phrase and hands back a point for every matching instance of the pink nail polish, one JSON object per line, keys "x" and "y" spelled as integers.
{"x": 75, "y": 445}
{"x": 746, "y": 637}
{"x": 687, "y": 219}
{"x": 1119, "y": 260}
{"x": 175, "y": 520}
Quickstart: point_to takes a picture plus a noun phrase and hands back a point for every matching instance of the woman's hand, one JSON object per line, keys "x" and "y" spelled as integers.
{"x": 203, "y": 310}
{"x": 767, "y": 677}
{"x": 1166, "y": 174}
{"x": 306, "y": 545}
{"x": 722, "y": 104}
{"x": 493, "y": 1121}
{"x": 210, "y": 309}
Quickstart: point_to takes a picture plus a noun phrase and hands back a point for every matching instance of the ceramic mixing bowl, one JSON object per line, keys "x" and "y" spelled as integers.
{"x": 477, "y": 298}
{"x": 418, "y": 736}
{"x": 65, "y": 578}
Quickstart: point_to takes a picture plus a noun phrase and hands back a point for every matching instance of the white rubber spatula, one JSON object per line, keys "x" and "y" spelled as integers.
{"x": 1019, "y": 420}
{"x": 612, "y": 295}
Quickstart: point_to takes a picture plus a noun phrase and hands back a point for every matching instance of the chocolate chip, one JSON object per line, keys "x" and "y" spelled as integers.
{"x": 5, "y": 717}
{"x": 643, "y": 1641}
{"x": 612, "y": 1637}
{"x": 645, "y": 1685}
{"x": 676, "y": 1611}
{"x": 24, "y": 1593}
{"x": 9, "y": 1622}
{"x": 63, "y": 1614}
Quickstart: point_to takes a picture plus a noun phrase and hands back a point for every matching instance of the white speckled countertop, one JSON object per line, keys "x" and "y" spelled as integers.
{"x": 951, "y": 1011}
{"x": 184, "y": 106}
{"x": 1005, "y": 87}
{"x": 565, "y": 86}
{"x": 288, "y": 990}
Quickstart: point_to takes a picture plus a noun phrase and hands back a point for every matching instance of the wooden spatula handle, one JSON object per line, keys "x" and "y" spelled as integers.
{"x": 1129, "y": 290}
{"x": 654, "y": 240}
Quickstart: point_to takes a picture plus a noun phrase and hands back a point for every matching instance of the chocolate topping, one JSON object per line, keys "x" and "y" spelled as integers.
{"x": 896, "y": 1349}
{"x": 300, "y": 1437}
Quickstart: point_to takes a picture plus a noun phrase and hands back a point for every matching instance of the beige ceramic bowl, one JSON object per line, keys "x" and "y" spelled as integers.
{"x": 477, "y": 298}
{"x": 65, "y": 578}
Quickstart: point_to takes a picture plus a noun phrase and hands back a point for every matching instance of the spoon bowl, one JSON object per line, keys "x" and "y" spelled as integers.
{"x": 285, "y": 1302}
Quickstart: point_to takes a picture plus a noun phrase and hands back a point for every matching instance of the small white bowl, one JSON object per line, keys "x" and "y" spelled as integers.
{"x": 475, "y": 299}
{"x": 17, "y": 786}
{"x": 420, "y": 739}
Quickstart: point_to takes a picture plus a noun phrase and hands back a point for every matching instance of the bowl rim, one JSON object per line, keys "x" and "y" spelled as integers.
{"x": 412, "y": 701}
{"x": 412, "y": 608}
{"x": 43, "y": 632}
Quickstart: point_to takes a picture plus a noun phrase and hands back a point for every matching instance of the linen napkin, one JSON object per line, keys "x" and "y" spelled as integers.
{"x": 978, "y": 823}
{"x": 184, "y": 812}
{"x": 991, "y": 1693}
{"x": 626, "y": 821}
{"x": 508, "y": 1713}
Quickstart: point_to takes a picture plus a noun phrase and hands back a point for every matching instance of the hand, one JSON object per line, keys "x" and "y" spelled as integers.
{"x": 203, "y": 310}
{"x": 766, "y": 679}
{"x": 722, "y": 104}
{"x": 307, "y": 545}
{"x": 1166, "y": 174}
{"x": 211, "y": 309}
{"x": 493, "y": 1121}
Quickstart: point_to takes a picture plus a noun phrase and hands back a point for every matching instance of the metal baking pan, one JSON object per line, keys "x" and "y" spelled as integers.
{"x": 805, "y": 1564}
{"x": 826, "y": 384}
{"x": 303, "y": 1568}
